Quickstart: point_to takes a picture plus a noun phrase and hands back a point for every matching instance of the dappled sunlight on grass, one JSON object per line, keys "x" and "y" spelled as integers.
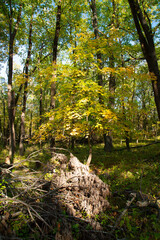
{"x": 136, "y": 169}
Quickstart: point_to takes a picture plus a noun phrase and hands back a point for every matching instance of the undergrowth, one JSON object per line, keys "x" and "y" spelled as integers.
{"x": 137, "y": 170}
{"x": 126, "y": 172}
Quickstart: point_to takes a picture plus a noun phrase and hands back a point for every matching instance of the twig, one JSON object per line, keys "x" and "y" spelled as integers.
{"x": 124, "y": 211}
{"x": 28, "y": 206}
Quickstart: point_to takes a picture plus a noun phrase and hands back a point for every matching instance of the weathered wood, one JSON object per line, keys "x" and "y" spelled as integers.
{"x": 81, "y": 193}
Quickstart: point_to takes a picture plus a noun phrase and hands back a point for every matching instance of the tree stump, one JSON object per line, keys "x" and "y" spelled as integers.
{"x": 81, "y": 193}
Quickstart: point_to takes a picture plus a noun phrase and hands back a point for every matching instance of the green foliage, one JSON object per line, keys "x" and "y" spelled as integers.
{"x": 78, "y": 112}
{"x": 75, "y": 231}
{"x": 20, "y": 226}
{"x": 82, "y": 104}
{"x": 2, "y": 187}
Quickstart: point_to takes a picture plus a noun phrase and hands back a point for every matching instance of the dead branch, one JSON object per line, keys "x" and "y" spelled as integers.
{"x": 128, "y": 204}
{"x": 29, "y": 208}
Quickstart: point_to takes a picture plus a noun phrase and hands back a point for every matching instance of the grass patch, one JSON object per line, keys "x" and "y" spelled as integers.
{"x": 137, "y": 170}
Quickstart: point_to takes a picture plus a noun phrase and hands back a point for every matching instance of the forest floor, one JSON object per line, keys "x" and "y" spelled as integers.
{"x": 24, "y": 196}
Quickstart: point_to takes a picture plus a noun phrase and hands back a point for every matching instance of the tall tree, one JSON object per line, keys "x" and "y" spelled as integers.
{"x": 107, "y": 139}
{"x": 99, "y": 60}
{"x": 26, "y": 76}
{"x": 146, "y": 38}
{"x": 96, "y": 33}
{"x": 55, "y": 51}
{"x": 12, "y": 12}
{"x": 112, "y": 80}
{"x": 3, "y": 113}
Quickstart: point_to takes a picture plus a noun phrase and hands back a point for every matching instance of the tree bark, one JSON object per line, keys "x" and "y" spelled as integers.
{"x": 1, "y": 135}
{"x": 55, "y": 51}
{"x": 22, "y": 132}
{"x": 99, "y": 56}
{"x": 90, "y": 151}
{"x": 11, "y": 110}
{"x": 30, "y": 127}
{"x": 146, "y": 38}
{"x": 11, "y": 94}
{"x": 108, "y": 146}
{"x": 127, "y": 139}
{"x": 41, "y": 105}
{"x": 4, "y": 137}
{"x": 96, "y": 33}
{"x": 112, "y": 84}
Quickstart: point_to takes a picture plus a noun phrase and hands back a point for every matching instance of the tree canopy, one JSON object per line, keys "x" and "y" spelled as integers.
{"x": 89, "y": 68}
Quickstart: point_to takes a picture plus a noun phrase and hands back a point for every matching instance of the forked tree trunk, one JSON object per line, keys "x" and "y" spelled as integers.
{"x": 146, "y": 38}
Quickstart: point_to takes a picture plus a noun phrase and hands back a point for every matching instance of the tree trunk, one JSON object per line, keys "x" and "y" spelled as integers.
{"x": 112, "y": 84}
{"x": 22, "y": 132}
{"x": 1, "y": 135}
{"x": 90, "y": 151}
{"x": 30, "y": 128}
{"x": 108, "y": 144}
{"x": 126, "y": 132}
{"x": 72, "y": 142}
{"x": 96, "y": 33}
{"x": 55, "y": 50}
{"x": 124, "y": 113}
{"x": 41, "y": 105}
{"x": 146, "y": 38}
{"x": 11, "y": 101}
{"x": 99, "y": 56}
{"x": 41, "y": 90}
{"x": 4, "y": 137}
{"x": 127, "y": 142}
{"x": 11, "y": 95}
{"x": 22, "y": 125}
{"x": 112, "y": 80}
